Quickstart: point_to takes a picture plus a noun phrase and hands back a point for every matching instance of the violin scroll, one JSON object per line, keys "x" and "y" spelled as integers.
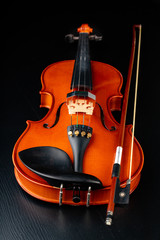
{"x": 83, "y": 29}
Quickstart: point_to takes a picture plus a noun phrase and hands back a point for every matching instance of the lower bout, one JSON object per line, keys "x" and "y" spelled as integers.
{"x": 51, "y": 194}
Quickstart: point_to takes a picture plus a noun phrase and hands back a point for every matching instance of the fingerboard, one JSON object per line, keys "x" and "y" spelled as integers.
{"x": 82, "y": 78}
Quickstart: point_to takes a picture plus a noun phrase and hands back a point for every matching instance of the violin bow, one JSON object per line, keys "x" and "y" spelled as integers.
{"x": 118, "y": 194}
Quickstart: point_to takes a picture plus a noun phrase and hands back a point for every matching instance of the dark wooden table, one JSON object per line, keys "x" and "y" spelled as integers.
{"x": 31, "y": 43}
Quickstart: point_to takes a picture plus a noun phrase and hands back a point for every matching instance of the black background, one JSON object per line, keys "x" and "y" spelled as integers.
{"x": 31, "y": 40}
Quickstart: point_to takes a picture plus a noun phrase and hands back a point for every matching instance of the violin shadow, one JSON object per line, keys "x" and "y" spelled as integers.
{"x": 64, "y": 216}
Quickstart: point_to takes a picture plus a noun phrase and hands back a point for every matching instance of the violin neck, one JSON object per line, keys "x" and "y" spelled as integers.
{"x": 82, "y": 78}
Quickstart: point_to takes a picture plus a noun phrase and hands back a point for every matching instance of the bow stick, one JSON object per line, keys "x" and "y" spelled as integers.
{"x": 118, "y": 194}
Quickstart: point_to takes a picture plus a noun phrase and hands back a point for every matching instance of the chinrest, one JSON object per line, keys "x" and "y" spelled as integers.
{"x": 55, "y": 166}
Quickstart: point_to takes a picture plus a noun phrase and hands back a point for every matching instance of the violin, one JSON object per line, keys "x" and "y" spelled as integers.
{"x": 78, "y": 154}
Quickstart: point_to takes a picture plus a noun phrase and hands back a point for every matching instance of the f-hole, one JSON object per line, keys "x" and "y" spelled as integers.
{"x": 113, "y": 128}
{"x": 45, "y": 125}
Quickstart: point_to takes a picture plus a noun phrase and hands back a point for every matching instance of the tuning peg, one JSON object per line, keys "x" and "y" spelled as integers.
{"x": 71, "y": 38}
{"x": 95, "y": 37}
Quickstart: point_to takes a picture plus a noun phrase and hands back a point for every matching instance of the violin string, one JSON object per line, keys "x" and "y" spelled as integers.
{"x": 135, "y": 102}
{"x": 74, "y": 73}
{"x": 84, "y": 75}
{"x": 74, "y": 77}
{"x": 79, "y": 75}
{"x": 76, "y": 65}
{"x": 90, "y": 88}
{"x": 80, "y": 62}
{"x": 89, "y": 121}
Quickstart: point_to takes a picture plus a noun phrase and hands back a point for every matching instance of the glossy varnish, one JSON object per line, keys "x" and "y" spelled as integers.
{"x": 100, "y": 154}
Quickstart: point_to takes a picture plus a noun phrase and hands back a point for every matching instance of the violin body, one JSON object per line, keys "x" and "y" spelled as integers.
{"x": 100, "y": 152}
